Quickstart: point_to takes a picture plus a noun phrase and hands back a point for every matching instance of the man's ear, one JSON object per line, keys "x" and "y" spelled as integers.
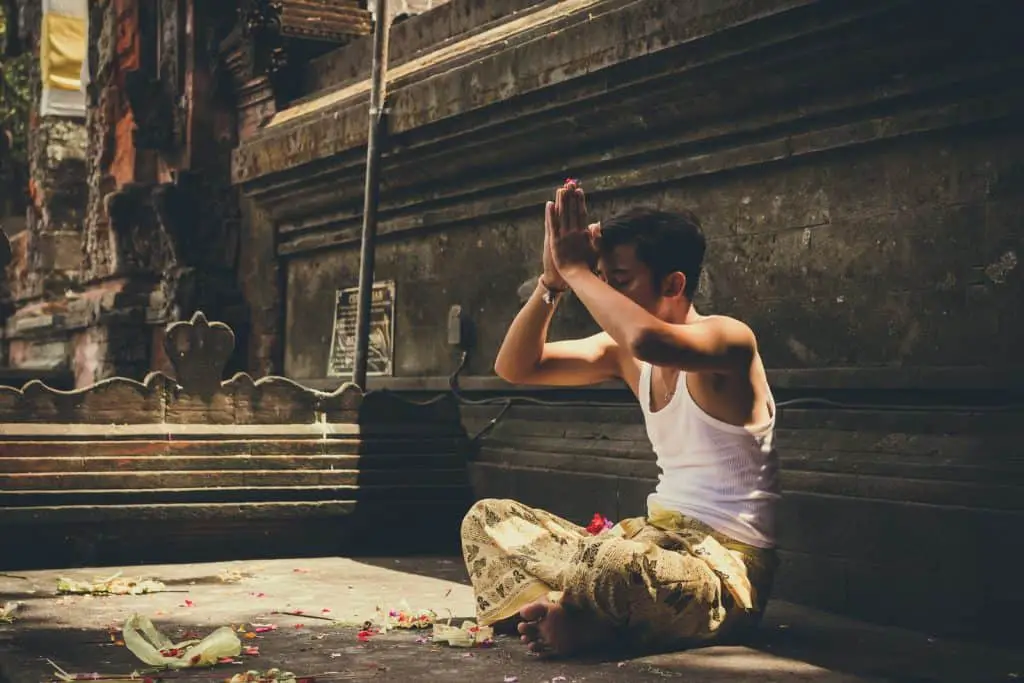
{"x": 674, "y": 284}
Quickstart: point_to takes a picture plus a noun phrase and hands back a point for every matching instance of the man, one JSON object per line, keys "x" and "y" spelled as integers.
{"x": 699, "y": 566}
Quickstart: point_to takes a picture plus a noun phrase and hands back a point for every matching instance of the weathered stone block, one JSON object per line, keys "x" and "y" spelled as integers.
{"x": 60, "y": 250}
{"x": 28, "y": 355}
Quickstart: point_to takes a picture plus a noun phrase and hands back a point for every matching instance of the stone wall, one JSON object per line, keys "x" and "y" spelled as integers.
{"x": 261, "y": 282}
{"x": 50, "y": 243}
{"x": 409, "y": 8}
{"x": 445, "y": 22}
{"x": 95, "y": 325}
{"x": 47, "y": 262}
{"x": 113, "y": 49}
{"x": 859, "y": 184}
{"x": 152, "y": 212}
{"x": 851, "y": 220}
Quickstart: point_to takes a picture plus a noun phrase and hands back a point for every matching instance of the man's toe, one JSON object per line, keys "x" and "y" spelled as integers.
{"x": 533, "y": 611}
{"x": 528, "y": 629}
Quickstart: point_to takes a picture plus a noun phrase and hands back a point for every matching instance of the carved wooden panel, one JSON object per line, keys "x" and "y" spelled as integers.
{"x": 327, "y": 20}
{"x": 275, "y": 37}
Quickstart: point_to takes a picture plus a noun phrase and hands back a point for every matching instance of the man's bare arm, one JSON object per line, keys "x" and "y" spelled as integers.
{"x": 525, "y": 356}
{"x": 715, "y": 345}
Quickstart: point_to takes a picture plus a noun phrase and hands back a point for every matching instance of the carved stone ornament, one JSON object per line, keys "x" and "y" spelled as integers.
{"x": 261, "y": 24}
{"x": 199, "y": 351}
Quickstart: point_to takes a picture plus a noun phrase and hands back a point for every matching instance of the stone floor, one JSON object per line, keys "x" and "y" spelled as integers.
{"x": 796, "y": 644}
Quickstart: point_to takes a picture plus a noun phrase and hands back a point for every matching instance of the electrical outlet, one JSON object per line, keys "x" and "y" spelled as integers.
{"x": 455, "y": 326}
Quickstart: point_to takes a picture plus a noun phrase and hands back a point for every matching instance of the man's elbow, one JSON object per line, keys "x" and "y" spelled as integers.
{"x": 509, "y": 373}
{"x": 647, "y": 345}
{"x": 655, "y": 346}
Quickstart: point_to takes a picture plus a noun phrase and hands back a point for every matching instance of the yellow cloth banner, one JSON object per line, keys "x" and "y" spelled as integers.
{"x": 62, "y": 57}
{"x": 62, "y": 51}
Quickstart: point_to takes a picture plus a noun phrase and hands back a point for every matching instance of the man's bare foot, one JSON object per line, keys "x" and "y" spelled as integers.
{"x": 507, "y": 626}
{"x": 556, "y": 628}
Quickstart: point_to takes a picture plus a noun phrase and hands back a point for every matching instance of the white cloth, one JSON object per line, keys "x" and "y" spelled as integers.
{"x": 721, "y": 474}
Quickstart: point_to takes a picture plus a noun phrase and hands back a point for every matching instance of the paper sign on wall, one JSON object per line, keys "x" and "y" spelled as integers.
{"x": 381, "y": 350}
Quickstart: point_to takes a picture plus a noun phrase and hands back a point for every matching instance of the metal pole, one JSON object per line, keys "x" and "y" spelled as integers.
{"x": 371, "y": 196}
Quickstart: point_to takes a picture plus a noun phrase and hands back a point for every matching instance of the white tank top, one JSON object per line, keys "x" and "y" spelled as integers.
{"x": 721, "y": 474}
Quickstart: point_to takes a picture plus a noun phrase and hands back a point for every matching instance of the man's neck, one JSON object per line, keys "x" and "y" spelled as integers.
{"x": 683, "y": 314}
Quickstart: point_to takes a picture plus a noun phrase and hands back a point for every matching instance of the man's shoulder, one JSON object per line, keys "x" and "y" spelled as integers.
{"x": 733, "y": 327}
{"x": 738, "y": 340}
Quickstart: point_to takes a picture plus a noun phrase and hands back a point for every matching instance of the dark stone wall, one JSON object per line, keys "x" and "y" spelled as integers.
{"x": 862, "y": 203}
{"x": 445, "y": 22}
{"x": 260, "y": 279}
{"x": 857, "y": 167}
{"x": 900, "y": 255}
{"x": 886, "y": 515}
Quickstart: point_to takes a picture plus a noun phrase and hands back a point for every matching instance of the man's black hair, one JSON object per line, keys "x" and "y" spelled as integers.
{"x": 665, "y": 241}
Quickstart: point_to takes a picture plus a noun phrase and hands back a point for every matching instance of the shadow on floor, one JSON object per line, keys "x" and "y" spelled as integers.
{"x": 802, "y": 643}
{"x": 441, "y": 568}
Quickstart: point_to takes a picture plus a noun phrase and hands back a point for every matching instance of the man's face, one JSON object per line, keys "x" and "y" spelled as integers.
{"x": 621, "y": 269}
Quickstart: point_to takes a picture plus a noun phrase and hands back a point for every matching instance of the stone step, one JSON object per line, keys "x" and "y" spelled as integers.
{"x": 116, "y": 448}
{"x": 150, "y": 512}
{"x": 234, "y": 494}
{"x": 105, "y": 535}
{"x": 166, "y": 479}
{"x": 239, "y": 462}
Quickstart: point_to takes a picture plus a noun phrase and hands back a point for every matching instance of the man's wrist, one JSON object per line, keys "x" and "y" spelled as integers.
{"x": 559, "y": 288}
{"x": 550, "y": 293}
{"x": 574, "y": 273}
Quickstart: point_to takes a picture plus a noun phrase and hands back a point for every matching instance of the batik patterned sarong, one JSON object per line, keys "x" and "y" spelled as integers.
{"x": 661, "y": 580}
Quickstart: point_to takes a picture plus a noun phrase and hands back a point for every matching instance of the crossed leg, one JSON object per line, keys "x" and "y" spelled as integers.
{"x": 574, "y": 592}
